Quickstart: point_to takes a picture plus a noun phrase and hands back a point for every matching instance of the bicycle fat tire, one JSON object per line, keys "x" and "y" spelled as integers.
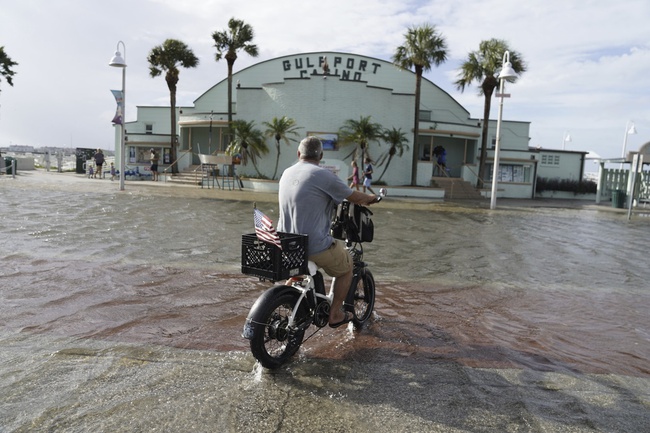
{"x": 272, "y": 343}
{"x": 364, "y": 297}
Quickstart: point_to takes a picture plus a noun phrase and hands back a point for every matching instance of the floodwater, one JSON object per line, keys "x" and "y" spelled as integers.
{"x": 122, "y": 311}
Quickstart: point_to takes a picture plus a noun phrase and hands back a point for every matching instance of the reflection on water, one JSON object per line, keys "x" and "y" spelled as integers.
{"x": 119, "y": 304}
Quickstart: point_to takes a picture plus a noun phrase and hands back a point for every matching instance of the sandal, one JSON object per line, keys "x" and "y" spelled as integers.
{"x": 347, "y": 319}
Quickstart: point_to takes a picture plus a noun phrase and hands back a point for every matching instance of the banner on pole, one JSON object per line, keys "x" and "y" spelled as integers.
{"x": 119, "y": 99}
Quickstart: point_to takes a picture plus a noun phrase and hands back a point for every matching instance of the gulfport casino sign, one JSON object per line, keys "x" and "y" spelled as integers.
{"x": 346, "y": 67}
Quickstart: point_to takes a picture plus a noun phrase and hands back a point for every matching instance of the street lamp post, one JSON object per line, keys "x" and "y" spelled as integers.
{"x": 628, "y": 131}
{"x": 566, "y": 138}
{"x": 506, "y": 72}
{"x": 120, "y": 62}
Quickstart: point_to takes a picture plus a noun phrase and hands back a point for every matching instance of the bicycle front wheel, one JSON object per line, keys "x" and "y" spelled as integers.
{"x": 364, "y": 297}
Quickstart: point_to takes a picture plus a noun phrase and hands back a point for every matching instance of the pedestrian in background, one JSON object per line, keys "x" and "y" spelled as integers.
{"x": 367, "y": 173}
{"x": 154, "y": 163}
{"x": 99, "y": 162}
{"x": 355, "y": 176}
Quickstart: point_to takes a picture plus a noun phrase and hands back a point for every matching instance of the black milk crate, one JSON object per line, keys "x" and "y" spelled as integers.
{"x": 267, "y": 261}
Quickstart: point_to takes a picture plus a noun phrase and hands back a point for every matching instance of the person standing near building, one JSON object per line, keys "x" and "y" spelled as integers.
{"x": 367, "y": 173}
{"x": 442, "y": 160}
{"x": 99, "y": 162}
{"x": 154, "y": 164}
{"x": 307, "y": 196}
{"x": 440, "y": 154}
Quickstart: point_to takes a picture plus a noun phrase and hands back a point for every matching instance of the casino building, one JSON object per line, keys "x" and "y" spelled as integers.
{"x": 321, "y": 100}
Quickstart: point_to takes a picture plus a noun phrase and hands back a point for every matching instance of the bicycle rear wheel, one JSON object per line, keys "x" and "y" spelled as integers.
{"x": 364, "y": 297}
{"x": 273, "y": 342}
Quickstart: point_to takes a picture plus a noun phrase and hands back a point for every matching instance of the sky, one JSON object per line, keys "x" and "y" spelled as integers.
{"x": 587, "y": 76}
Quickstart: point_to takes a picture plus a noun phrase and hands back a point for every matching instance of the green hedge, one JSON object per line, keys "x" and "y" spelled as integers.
{"x": 574, "y": 186}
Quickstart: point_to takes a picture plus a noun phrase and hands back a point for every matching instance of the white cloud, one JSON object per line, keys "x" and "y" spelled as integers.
{"x": 587, "y": 60}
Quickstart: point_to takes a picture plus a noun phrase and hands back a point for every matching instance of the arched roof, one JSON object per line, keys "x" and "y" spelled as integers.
{"x": 372, "y": 71}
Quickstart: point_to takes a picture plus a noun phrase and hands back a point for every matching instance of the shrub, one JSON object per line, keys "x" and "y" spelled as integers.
{"x": 574, "y": 186}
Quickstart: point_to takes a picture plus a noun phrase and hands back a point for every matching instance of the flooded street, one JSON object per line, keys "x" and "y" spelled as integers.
{"x": 122, "y": 311}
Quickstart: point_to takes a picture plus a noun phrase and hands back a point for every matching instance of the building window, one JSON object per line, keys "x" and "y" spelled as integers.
{"x": 550, "y": 160}
{"x": 148, "y": 129}
{"x": 511, "y": 173}
{"x": 425, "y": 115}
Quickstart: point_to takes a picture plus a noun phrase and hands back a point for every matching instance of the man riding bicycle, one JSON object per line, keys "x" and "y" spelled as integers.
{"x": 308, "y": 195}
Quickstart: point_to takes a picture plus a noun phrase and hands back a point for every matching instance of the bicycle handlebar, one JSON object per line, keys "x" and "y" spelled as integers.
{"x": 382, "y": 193}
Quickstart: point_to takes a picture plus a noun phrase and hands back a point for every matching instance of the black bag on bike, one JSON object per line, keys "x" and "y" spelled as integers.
{"x": 353, "y": 222}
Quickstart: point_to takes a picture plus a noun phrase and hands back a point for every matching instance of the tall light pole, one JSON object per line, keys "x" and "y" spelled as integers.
{"x": 120, "y": 62}
{"x": 628, "y": 131}
{"x": 566, "y": 138}
{"x": 506, "y": 72}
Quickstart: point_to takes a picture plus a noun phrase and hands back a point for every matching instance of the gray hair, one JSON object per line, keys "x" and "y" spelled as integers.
{"x": 310, "y": 148}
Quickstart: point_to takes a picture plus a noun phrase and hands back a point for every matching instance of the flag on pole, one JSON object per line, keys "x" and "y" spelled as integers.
{"x": 264, "y": 229}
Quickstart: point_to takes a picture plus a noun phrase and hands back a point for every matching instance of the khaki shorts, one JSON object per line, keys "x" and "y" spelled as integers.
{"x": 335, "y": 261}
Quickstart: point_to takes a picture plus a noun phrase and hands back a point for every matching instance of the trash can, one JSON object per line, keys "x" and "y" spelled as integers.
{"x": 8, "y": 161}
{"x": 618, "y": 198}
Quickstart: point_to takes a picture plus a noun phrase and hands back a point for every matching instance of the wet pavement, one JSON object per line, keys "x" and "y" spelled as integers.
{"x": 121, "y": 311}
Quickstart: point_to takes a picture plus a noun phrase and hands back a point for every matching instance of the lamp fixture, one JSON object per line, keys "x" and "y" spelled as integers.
{"x": 507, "y": 71}
{"x": 629, "y": 130}
{"x": 566, "y": 138}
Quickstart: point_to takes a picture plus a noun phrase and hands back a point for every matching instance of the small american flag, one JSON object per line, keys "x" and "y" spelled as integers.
{"x": 264, "y": 229}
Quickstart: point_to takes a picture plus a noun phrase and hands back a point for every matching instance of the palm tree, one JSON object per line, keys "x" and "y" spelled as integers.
{"x": 5, "y": 66}
{"x": 167, "y": 58}
{"x": 238, "y": 36}
{"x": 423, "y": 47}
{"x": 281, "y": 129}
{"x": 360, "y": 133}
{"x": 483, "y": 66}
{"x": 247, "y": 141}
{"x": 398, "y": 144}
